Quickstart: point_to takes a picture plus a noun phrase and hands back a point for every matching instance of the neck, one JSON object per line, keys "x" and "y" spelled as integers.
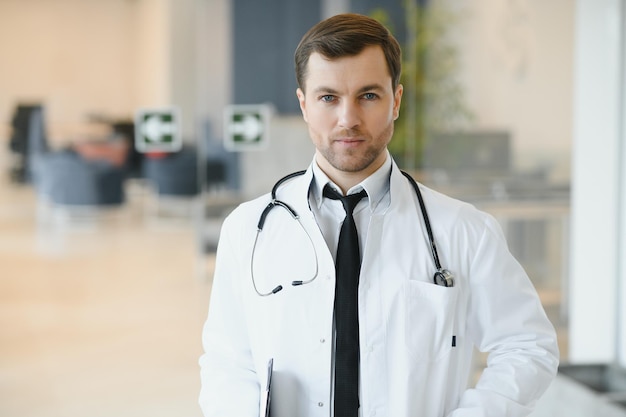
{"x": 348, "y": 179}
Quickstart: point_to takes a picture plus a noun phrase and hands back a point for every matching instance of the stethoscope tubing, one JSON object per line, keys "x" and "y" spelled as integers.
{"x": 442, "y": 276}
{"x": 429, "y": 230}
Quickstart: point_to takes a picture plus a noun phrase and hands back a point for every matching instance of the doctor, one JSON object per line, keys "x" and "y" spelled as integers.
{"x": 414, "y": 338}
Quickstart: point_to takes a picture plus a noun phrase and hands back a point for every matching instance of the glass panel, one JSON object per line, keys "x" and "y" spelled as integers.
{"x": 498, "y": 126}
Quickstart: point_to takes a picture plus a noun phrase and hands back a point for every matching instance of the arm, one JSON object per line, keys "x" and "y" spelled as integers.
{"x": 229, "y": 381}
{"x": 507, "y": 320}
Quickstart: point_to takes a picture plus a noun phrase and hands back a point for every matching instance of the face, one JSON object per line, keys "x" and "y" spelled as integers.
{"x": 350, "y": 107}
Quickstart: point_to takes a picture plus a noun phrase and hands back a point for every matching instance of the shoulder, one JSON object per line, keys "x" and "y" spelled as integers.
{"x": 440, "y": 207}
{"x": 452, "y": 214}
{"x": 450, "y": 206}
{"x": 248, "y": 213}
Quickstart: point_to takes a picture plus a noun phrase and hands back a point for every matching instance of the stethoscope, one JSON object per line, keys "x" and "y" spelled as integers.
{"x": 442, "y": 276}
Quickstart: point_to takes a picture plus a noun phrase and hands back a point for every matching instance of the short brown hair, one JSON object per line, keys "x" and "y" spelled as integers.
{"x": 347, "y": 35}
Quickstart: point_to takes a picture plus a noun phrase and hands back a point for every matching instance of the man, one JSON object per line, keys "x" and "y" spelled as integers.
{"x": 411, "y": 343}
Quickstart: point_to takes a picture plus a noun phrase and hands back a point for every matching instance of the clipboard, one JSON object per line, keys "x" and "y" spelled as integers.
{"x": 265, "y": 394}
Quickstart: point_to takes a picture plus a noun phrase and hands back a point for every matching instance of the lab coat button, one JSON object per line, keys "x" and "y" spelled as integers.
{"x": 320, "y": 404}
{"x": 322, "y": 340}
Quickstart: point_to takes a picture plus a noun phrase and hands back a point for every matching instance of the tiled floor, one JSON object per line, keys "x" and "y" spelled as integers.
{"x": 100, "y": 317}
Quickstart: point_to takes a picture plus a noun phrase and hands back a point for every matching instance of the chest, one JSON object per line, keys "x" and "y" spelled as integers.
{"x": 395, "y": 255}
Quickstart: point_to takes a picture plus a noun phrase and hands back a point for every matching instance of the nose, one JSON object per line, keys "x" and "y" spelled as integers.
{"x": 349, "y": 115}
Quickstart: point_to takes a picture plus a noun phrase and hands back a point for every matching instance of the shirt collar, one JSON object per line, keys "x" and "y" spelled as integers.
{"x": 376, "y": 185}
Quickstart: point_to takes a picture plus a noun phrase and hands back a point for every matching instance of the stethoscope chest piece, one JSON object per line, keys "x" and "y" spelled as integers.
{"x": 444, "y": 278}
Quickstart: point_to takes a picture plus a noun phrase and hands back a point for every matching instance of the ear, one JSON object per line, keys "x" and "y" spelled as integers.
{"x": 302, "y": 101}
{"x": 397, "y": 99}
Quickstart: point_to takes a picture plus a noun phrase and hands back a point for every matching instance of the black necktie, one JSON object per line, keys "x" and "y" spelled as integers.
{"x": 347, "y": 266}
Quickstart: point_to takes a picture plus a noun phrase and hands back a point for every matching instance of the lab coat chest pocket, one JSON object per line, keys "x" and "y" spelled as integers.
{"x": 430, "y": 312}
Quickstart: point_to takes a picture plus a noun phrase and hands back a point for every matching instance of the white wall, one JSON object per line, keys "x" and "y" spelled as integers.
{"x": 72, "y": 55}
{"x": 621, "y": 244}
{"x": 516, "y": 70}
{"x": 182, "y": 60}
{"x": 214, "y": 46}
{"x": 598, "y": 132}
{"x": 150, "y": 68}
{"x": 107, "y": 57}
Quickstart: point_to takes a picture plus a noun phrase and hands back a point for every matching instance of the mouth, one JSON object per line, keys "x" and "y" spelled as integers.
{"x": 348, "y": 140}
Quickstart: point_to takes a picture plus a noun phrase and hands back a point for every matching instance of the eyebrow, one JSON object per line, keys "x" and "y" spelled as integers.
{"x": 364, "y": 89}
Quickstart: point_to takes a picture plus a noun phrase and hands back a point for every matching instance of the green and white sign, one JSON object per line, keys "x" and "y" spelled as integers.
{"x": 158, "y": 130}
{"x": 246, "y": 127}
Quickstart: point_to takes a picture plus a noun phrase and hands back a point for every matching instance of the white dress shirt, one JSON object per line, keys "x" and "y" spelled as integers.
{"x": 330, "y": 214}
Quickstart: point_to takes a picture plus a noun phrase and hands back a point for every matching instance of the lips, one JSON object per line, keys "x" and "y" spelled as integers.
{"x": 348, "y": 138}
{"x": 349, "y": 142}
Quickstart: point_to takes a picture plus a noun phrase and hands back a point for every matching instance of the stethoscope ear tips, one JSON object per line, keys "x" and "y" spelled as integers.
{"x": 444, "y": 278}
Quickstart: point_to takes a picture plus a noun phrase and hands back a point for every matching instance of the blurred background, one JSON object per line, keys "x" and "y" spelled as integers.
{"x": 130, "y": 128}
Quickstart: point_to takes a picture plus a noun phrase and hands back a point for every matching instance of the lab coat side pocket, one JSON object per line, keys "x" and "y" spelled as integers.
{"x": 430, "y": 314}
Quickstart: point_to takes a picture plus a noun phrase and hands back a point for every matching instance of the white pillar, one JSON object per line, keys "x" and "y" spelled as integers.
{"x": 621, "y": 302}
{"x": 214, "y": 67}
{"x": 333, "y": 7}
{"x": 598, "y": 132}
{"x": 151, "y": 62}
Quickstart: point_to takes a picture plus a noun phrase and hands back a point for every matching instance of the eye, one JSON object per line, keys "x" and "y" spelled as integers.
{"x": 327, "y": 98}
{"x": 370, "y": 96}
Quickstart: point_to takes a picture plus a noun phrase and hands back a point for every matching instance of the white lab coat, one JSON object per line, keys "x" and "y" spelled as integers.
{"x": 409, "y": 366}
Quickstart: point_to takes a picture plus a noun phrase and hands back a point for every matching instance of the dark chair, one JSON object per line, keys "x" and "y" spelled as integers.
{"x": 134, "y": 159}
{"x": 215, "y": 173}
{"x": 23, "y": 131}
{"x": 173, "y": 174}
{"x": 64, "y": 177}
